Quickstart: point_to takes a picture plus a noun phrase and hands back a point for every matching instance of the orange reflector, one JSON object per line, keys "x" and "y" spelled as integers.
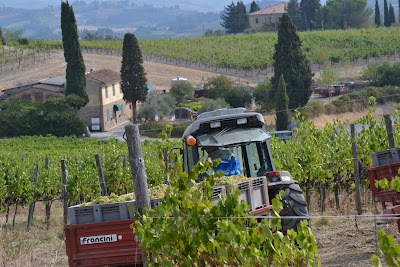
{"x": 272, "y": 174}
{"x": 190, "y": 140}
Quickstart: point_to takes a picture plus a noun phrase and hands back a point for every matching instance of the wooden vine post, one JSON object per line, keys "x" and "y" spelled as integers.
{"x": 389, "y": 130}
{"x": 64, "y": 193}
{"x": 356, "y": 170}
{"x": 100, "y": 172}
{"x": 32, "y": 206}
{"x": 138, "y": 171}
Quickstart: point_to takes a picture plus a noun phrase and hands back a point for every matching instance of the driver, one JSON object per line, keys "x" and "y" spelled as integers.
{"x": 229, "y": 163}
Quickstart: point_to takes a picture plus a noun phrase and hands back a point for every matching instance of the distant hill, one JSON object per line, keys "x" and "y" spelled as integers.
{"x": 160, "y": 19}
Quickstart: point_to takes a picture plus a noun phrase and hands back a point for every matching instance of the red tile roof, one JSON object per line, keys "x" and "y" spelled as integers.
{"x": 105, "y": 76}
{"x": 275, "y": 9}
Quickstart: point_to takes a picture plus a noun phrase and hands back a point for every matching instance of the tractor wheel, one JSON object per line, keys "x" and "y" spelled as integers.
{"x": 294, "y": 205}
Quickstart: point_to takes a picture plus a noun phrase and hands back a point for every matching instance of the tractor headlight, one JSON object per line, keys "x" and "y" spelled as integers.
{"x": 241, "y": 121}
{"x": 215, "y": 124}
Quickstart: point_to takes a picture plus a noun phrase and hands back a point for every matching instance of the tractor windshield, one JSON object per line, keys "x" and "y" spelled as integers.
{"x": 251, "y": 159}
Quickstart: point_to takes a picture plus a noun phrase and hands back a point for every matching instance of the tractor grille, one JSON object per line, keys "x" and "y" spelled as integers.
{"x": 252, "y": 122}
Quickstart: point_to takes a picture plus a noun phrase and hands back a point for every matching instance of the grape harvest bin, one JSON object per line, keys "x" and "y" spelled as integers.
{"x": 100, "y": 234}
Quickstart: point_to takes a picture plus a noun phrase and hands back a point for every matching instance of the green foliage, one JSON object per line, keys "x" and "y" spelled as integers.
{"x": 211, "y": 104}
{"x": 309, "y": 9}
{"x": 263, "y": 95}
{"x": 385, "y": 14}
{"x": 163, "y": 105}
{"x": 290, "y": 62}
{"x": 383, "y": 74}
{"x": 254, "y": 7}
{"x": 75, "y": 72}
{"x": 377, "y": 18}
{"x": 133, "y": 76}
{"x": 239, "y": 97}
{"x": 234, "y": 18}
{"x": 281, "y": 106}
{"x": 191, "y": 231}
{"x": 388, "y": 248}
{"x": 193, "y": 105}
{"x": 153, "y": 129}
{"x": 182, "y": 91}
{"x": 217, "y": 87}
{"x": 359, "y": 100}
{"x": 327, "y": 77}
{"x": 312, "y": 110}
{"x": 54, "y": 116}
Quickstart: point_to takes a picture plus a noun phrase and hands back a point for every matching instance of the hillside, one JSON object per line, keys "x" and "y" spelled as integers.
{"x": 158, "y": 74}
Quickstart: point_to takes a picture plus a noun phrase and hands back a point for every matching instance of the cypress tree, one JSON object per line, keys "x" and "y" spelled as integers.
{"x": 377, "y": 14}
{"x": 385, "y": 14}
{"x": 392, "y": 18}
{"x": 281, "y": 107}
{"x": 3, "y": 42}
{"x": 291, "y": 62}
{"x": 234, "y": 18}
{"x": 309, "y": 9}
{"x": 75, "y": 72}
{"x": 255, "y": 7}
{"x": 133, "y": 76}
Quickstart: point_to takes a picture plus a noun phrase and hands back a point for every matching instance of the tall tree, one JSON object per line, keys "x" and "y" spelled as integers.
{"x": 309, "y": 9}
{"x": 75, "y": 72}
{"x": 291, "y": 62}
{"x": 377, "y": 14}
{"x": 293, "y": 10}
{"x": 398, "y": 5}
{"x": 385, "y": 14}
{"x": 133, "y": 76}
{"x": 281, "y": 108}
{"x": 234, "y": 18}
{"x": 2, "y": 40}
{"x": 392, "y": 18}
{"x": 255, "y": 7}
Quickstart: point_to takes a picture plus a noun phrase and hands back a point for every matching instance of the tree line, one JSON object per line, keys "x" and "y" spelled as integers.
{"x": 308, "y": 15}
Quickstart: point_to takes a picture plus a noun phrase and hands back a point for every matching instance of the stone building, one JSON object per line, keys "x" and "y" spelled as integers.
{"x": 106, "y": 108}
{"x": 37, "y": 92}
{"x": 268, "y": 16}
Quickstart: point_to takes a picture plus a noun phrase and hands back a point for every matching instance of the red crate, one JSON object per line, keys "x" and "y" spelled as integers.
{"x": 379, "y": 173}
{"x": 102, "y": 244}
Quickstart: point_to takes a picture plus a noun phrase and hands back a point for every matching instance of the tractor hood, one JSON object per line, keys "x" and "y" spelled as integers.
{"x": 233, "y": 137}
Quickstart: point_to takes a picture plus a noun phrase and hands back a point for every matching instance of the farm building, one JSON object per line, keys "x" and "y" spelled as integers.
{"x": 106, "y": 108}
{"x": 37, "y": 92}
{"x": 271, "y": 15}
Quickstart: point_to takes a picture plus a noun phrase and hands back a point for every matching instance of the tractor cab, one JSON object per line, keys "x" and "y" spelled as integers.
{"x": 233, "y": 135}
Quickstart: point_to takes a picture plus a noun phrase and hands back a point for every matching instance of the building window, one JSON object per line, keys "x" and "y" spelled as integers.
{"x": 108, "y": 115}
{"x": 113, "y": 89}
{"x": 106, "y": 91}
{"x": 256, "y": 20}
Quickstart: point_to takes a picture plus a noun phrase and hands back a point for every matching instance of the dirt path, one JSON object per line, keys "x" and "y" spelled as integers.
{"x": 158, "y": 74}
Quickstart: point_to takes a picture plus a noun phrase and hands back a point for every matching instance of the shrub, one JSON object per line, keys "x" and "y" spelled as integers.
{"x": 238, "y": 97}
{"x": 163, "y": 105}
{"x": 383, "y": 74}
{"x": 211, "y": 104}
{"x": 182, "y": 91}
{"x": 312, "y": 110}
{"x": 153, "y": 129}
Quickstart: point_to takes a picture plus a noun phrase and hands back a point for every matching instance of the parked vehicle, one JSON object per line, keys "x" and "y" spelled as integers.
{"x": 100, "y": 235}
{"x": 334, "y": 90}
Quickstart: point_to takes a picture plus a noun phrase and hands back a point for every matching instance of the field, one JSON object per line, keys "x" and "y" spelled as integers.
{"x": 342, "y": 240}
{"x": 159, "y": 75}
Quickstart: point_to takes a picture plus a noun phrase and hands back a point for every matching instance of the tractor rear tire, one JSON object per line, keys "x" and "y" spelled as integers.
{"x": 294, "y": 205}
